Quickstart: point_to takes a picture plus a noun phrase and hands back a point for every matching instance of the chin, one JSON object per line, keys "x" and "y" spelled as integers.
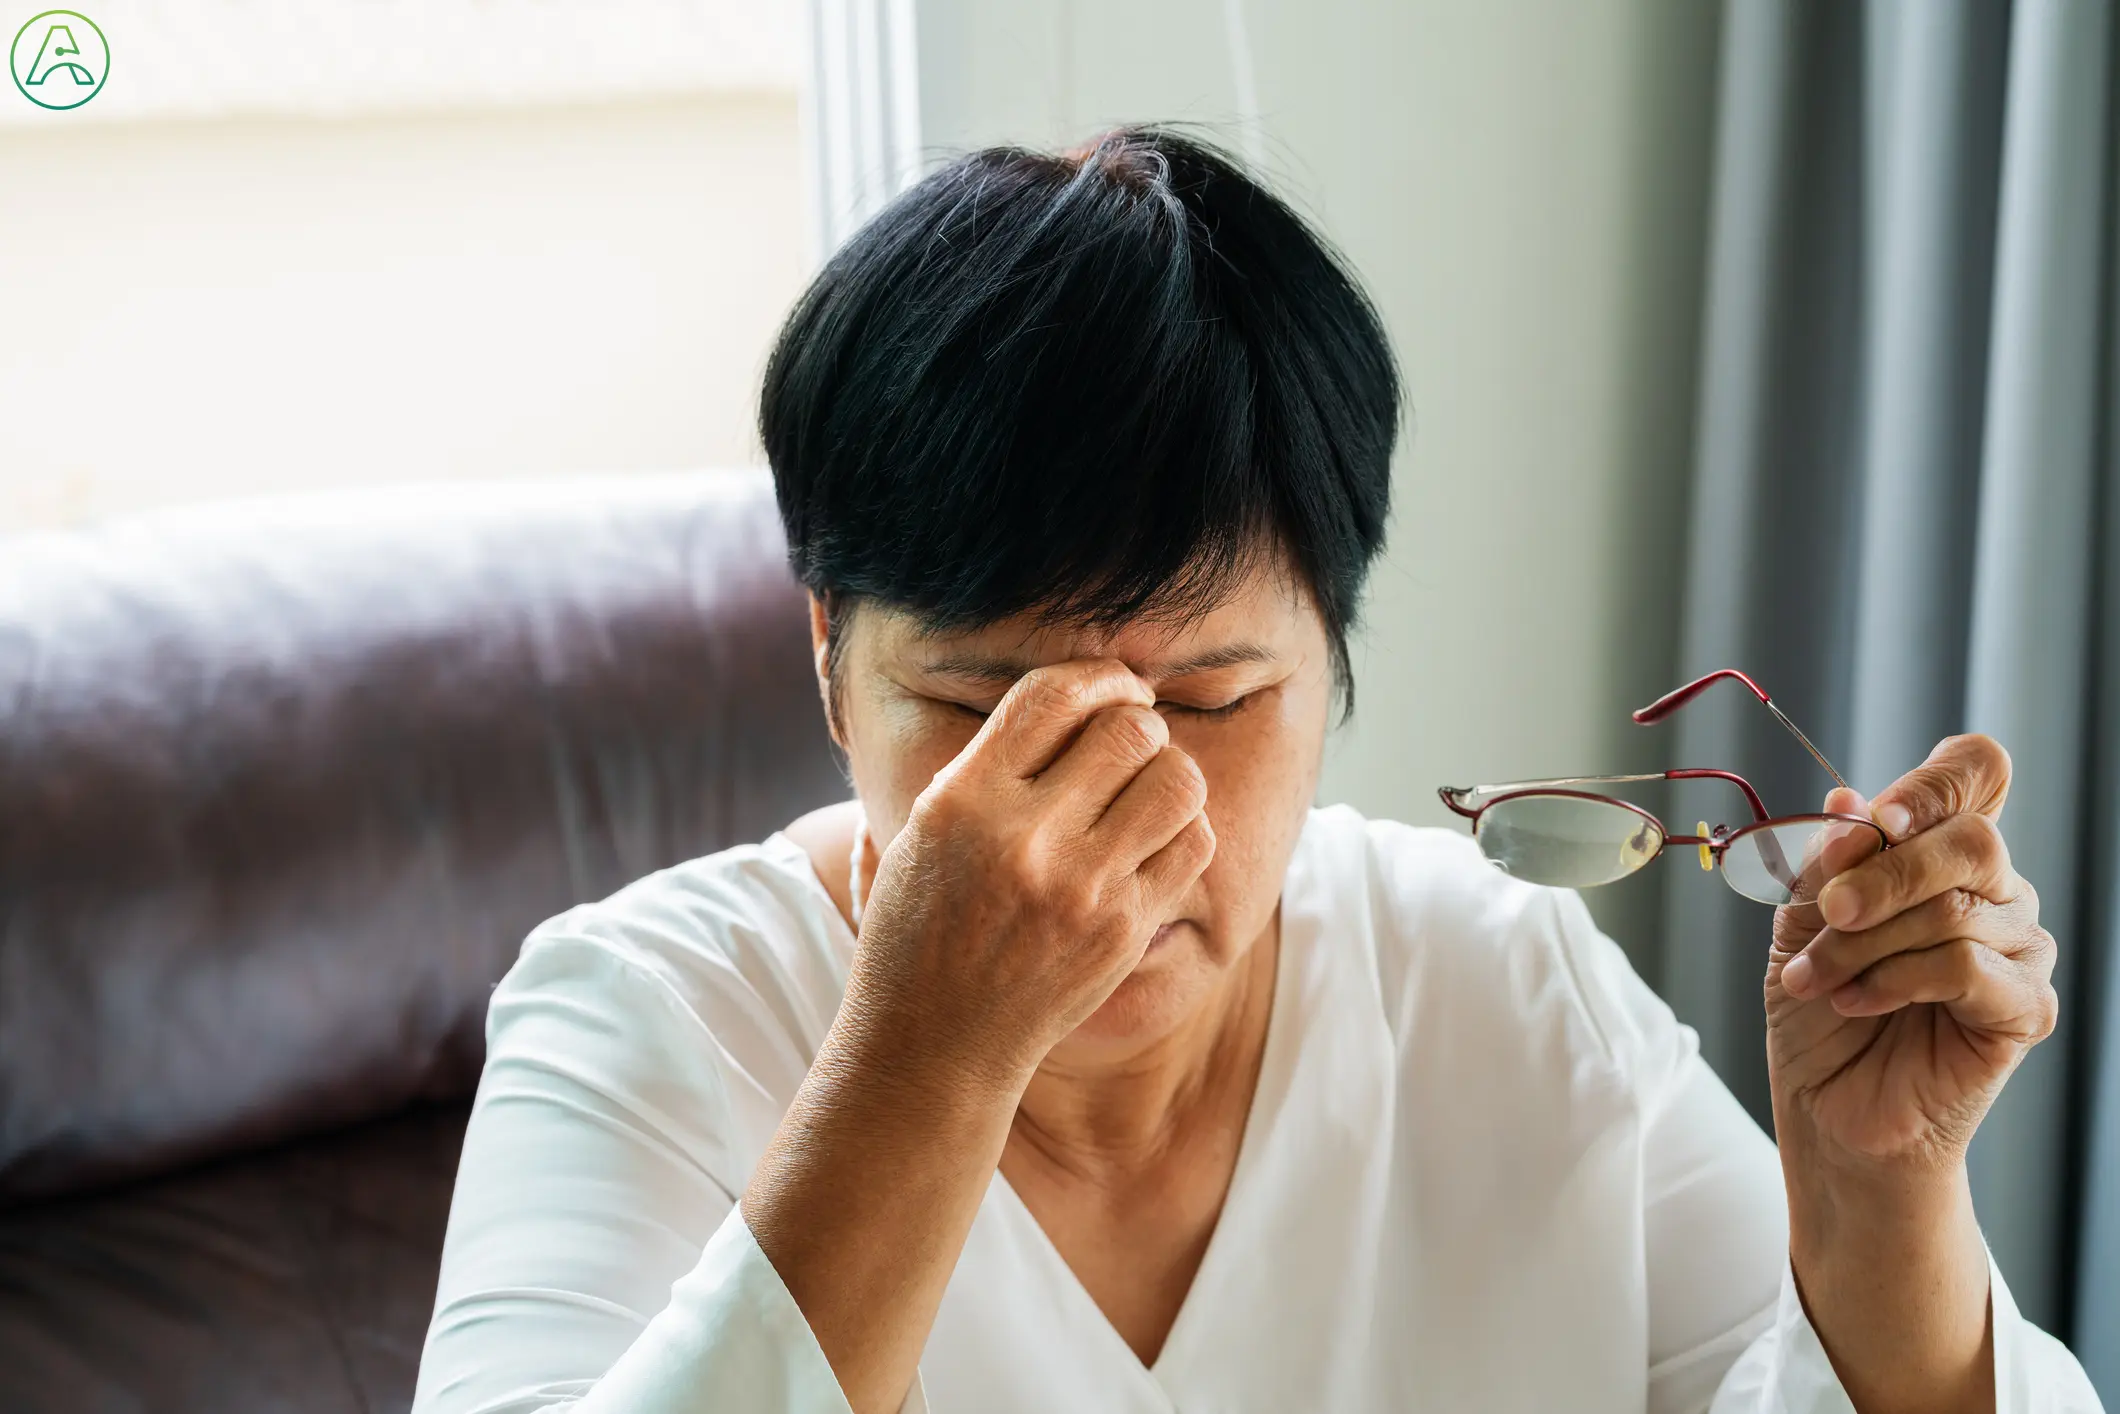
{"x": 1156, "y": 996}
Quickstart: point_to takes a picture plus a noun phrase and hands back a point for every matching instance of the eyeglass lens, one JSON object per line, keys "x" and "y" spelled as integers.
{"x": 1784, "y": 863}
{"x": 1566, "y": 841}
{"x": 1575, "y": 842}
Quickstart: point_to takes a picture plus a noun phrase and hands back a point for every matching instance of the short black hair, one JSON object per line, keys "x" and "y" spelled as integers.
{"x": 1087, "y": 385}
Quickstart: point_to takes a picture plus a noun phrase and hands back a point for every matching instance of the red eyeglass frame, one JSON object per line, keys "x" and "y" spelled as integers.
{"x": 1717, "y": 842}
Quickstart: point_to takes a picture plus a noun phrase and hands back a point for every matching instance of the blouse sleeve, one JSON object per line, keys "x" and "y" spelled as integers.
{"x": 1786, "y": 1371}
{"x": 596, "y": 1257}
{"x": 1727, "y": 1331}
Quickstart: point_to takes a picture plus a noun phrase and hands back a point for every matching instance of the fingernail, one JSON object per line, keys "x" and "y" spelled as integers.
{"x": 1796, "y": 975}
{"x": 1895, "y": 819}
{"x": 1840, "y": 903}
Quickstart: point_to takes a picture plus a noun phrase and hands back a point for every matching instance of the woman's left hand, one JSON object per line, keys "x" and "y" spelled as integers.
{"x": 1899, "y": 1003}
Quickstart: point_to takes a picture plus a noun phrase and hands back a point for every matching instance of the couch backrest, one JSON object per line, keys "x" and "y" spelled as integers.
{"x": 284, "y": 784}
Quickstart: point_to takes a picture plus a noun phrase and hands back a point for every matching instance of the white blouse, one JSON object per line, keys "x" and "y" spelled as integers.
{"x": 1485, "y": 1169}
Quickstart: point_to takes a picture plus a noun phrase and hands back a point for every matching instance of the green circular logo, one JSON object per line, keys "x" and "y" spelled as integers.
{"x": 59, "y": 59}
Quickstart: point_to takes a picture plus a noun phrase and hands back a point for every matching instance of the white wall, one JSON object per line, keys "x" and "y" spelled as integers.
{"x": 1522, "y": 185}
{"x": 203, "y": 306}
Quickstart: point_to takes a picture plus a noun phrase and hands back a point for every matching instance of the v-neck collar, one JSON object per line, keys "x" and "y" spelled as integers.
{"x": 1280, "y": 1064}
{"x": 1219, "y": 1272}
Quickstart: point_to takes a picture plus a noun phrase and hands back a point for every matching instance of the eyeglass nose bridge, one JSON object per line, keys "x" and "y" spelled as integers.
{"x": 1711, "y": 844}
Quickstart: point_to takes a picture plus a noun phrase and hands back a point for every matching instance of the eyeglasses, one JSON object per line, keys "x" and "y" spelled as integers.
{"x": 1548, "y": 832}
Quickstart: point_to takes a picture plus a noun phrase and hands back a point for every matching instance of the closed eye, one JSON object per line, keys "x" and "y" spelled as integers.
{"x": 1212, "y": 714}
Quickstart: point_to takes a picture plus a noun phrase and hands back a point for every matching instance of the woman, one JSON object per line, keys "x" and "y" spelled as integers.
{"x": 1079, "y": 1064}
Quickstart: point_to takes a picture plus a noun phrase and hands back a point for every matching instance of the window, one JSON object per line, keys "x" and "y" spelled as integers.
{"x": 314, "y": 244}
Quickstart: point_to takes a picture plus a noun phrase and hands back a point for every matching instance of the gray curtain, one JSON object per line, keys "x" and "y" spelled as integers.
{"x": 1906, "y": 522}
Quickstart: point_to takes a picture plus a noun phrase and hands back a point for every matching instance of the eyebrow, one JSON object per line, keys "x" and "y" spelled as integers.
{"x": 1001, "y": 668}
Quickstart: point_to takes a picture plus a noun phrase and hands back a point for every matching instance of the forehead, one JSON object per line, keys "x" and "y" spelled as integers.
{"x": 1267, "y": 616}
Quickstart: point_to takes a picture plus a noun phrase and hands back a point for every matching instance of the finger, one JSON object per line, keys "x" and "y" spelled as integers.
{"x": 1963, "y": 773}
{"x": 1171, "y": 870}
{"x": 1844, "y": 800}
{"x": 1843, "y": 847}
{"x": 1838, "y": 848}
{"x": 1108, "y": 754}
{"x": 1042, "y": 711}
{"x": 1981, "y": 987}
{"x": 1833, "y": 958}
{"x": 1147, "y": 815}
{"x": 1964, "y": 852}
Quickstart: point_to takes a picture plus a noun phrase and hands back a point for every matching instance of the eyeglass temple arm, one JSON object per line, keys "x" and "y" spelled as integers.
{"x": 1454, "y": 798}
{"x": 1457, "y": 798}
{"x": 1671, "y": 701}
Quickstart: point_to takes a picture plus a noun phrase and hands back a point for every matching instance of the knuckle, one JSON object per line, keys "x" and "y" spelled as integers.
{"x": 1082, "y": 685}
{"x": 942, "y": 806}
{"x": 1055, "y": 690}
{"x": 1896, "y": 871}
{"x": 1927, "y": 790}
{"x": 1188, "y": 783}
{"x": 2025, "y": 898}
{"x": 1196, "y": 842}
{"x": 1959, "y": 909}
{"x": 1979, "y": 836}
{"x": 2046, "y": 1011}
{"x": 1075, "y": 899}
{"x": 1202, "y": 829}
{"x": 1022, "y": 859}
{"x": 1964, "y": 959}
{"x": 1133, "y": 734}
{"x": 1983, "y": 750}
{"x": 1960, "y": 746}
{"x": 1092, "y": 680}
{"x": 2043, "y": 952}
{"x": 1797, "y": 925}
{"x": 1789, "y": 932}
{"x": 1831, "y": 961}
{"x": 1969, "y": 770}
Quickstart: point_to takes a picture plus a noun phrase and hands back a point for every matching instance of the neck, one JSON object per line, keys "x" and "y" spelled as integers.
{"x": 1096, "y": 1116}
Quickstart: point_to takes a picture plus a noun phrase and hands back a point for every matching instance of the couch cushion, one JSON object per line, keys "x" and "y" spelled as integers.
{"x": 284, "y": 784}
{"x": 300, "y": 1278}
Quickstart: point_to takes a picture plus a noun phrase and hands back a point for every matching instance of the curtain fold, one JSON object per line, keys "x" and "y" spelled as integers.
{"x": 862, "y": 113}
{"x": 1904, "y": 521}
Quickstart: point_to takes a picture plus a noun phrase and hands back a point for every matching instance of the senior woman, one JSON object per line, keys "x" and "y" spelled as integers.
{"x": 1080, "y": 1064}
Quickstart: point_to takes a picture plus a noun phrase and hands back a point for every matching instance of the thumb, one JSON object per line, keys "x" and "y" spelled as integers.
{"x": 1964, "y": 773}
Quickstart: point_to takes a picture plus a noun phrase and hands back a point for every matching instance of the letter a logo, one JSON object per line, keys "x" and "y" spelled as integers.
{"x": 59, "y": 59}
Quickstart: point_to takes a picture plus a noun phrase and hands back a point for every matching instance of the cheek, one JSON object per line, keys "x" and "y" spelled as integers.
{"x": 1260, "y": 785}
{"x": 894, "y": 751}
{"x": 916, "y": 757}
{"x": 1258, "y": 764}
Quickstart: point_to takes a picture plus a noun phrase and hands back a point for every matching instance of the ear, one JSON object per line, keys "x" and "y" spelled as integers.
{"x": 820, "y": 627}
{"x": 820, "y": 660}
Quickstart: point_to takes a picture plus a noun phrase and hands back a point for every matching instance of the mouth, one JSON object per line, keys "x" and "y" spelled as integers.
{"x": 1163, "y": 933}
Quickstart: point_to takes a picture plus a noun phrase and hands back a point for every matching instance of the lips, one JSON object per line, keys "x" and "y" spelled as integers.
{"x": 1164, "y": 932}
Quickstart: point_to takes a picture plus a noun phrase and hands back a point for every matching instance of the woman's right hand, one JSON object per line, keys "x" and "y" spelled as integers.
{"x": 1026, "y": 883}
{"x": 1031, "y": 874}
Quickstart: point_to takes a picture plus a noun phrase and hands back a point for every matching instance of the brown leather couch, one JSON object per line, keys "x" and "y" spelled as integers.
{"x": 282, "y": 788}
